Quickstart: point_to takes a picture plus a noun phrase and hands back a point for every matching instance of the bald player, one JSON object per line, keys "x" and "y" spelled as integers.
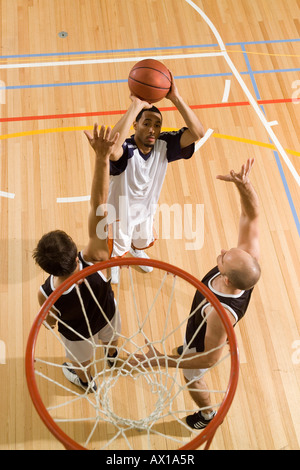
{"x": 232, "y": 281}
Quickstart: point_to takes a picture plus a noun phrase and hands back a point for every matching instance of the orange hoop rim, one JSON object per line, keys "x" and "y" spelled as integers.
{"x": 207, "y": 434}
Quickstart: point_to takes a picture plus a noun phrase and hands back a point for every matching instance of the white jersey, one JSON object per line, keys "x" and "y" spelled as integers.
{"x": 137, "y": 179}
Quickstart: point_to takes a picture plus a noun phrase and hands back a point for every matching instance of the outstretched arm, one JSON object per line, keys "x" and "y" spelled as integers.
{"x": 124, "y": 124}
{"x": 103, "y": 144}
{"x": 195, "y": 129}
{"x": 215, "y": 340}
{"x": 248, "y": 238}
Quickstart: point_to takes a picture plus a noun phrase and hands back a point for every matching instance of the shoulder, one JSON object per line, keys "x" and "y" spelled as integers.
{"x": 175, "y": 151}
{"x": 118, "y": 166}
{"x": 94, "y": 252}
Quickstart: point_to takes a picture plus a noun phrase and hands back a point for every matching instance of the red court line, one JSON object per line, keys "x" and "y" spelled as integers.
{"x": 110, "y": 113}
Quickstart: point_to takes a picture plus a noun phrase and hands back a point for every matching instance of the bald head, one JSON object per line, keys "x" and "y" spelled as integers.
{"x": 240, "y": 268}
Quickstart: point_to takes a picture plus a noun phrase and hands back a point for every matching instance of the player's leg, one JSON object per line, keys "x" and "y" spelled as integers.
{"x": 109, "y": 335}
{"x": 199, "y": 393}
{"x": 78, "y": 369}
{"x": 143, "y": 237}
{"x": 119, "y": 244}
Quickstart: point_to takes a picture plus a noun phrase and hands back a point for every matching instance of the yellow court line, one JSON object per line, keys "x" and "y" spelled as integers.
{"x": 254, "y": 142}
{"x": 45, "y": 131}
{"x": 83, "y": 128}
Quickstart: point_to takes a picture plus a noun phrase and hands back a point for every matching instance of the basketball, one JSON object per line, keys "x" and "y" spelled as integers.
{"x": 149, "y": 80}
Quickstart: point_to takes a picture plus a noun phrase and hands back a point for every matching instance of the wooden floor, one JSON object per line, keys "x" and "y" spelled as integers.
{"x": 47, "y": 101}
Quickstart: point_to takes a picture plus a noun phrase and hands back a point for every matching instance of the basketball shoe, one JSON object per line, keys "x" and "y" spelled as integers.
{"x": 71, "y": 375}
{"x": 143, "y": 255}
{"x": 115, "y": 275}
{"x": 197, "y": 420}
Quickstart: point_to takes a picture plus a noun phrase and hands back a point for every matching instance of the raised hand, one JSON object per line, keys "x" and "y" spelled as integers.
{"x": 239, "y": 178}
{"x": 101, "y": 141}
{"x": 144, "y": 104}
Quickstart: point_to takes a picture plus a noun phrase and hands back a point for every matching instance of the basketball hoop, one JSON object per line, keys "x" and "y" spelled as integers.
{"x": 172, "y": 278}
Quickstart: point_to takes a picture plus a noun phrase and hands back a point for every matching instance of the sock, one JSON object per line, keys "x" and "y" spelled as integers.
{"x": 207, "y": 416}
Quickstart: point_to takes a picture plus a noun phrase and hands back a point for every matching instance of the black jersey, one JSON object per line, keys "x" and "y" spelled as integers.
{"x": 236, "y": 304}
{"x": 69, "y": 308}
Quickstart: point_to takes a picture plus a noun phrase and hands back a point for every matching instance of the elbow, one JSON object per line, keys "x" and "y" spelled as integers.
{"x": 113, "y": 158}
{"x": 199, "y": 133}
{"x": 116, "y": 154}
{"x": 209, "y": 362}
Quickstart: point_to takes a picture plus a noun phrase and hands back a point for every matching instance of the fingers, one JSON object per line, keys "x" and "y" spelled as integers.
{"x": 116, "y": 137}
{"x": 95, "y": 131}
{"x": 224, "y": 177}
{"x": 88, "y": 135}
{"x": 102, "y": 135}
{"x": 238, "y": 177}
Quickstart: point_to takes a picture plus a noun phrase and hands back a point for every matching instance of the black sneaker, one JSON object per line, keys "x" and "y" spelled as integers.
{"x": 180, "y": 350}
{"x": 196, "y": 421}
{"x": 111, "y": 360}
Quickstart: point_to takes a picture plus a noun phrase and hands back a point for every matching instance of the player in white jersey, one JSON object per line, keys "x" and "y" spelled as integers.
{"x": 138, "y": 169}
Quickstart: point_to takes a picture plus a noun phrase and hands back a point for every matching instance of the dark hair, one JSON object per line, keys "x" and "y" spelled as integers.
{"x": 56, "y": 253}
{"x": 154, "y": 109}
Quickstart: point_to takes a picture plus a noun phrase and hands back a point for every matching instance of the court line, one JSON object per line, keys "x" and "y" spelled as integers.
{"x": 124, "y": 80}
{"x": 145, "y": 49}
{"x": 277, "y": 159}
{"x": 83, "y": 128}
{"x": 7, "y": 195}
{"x": 254, "y": 142}
{"x": 226, "y": 91}
{"x": 202, "y": 141}
{"x": 108, "y": 51}
{"x": 73, "y": 199}
{"x": 170, "y": 108}
{"x": 107, "y": 61}
{"x": 269, "y": 54}
{"x": 247, "y": 92}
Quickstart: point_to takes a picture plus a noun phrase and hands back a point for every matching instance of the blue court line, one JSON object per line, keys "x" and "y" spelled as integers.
{"x": 278, "y": 161}
{"x": 143, "y": 49}
{"x": 270, "y": 41}
{"x": 177, "y": 77}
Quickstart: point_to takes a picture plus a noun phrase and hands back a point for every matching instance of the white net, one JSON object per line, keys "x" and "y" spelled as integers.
{"x": 140, "y": 406}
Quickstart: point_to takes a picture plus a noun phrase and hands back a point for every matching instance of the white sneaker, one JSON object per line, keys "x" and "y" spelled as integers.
{"x": 71, "y": 375}
{"x": 115, "y": 275}
{"x": 141, "y": 254}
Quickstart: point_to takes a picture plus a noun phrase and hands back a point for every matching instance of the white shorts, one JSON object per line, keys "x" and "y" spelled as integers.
{"x": 139, "y": 236}
{"x": 192, "y": 374}
{"x": 82, "y": 351}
